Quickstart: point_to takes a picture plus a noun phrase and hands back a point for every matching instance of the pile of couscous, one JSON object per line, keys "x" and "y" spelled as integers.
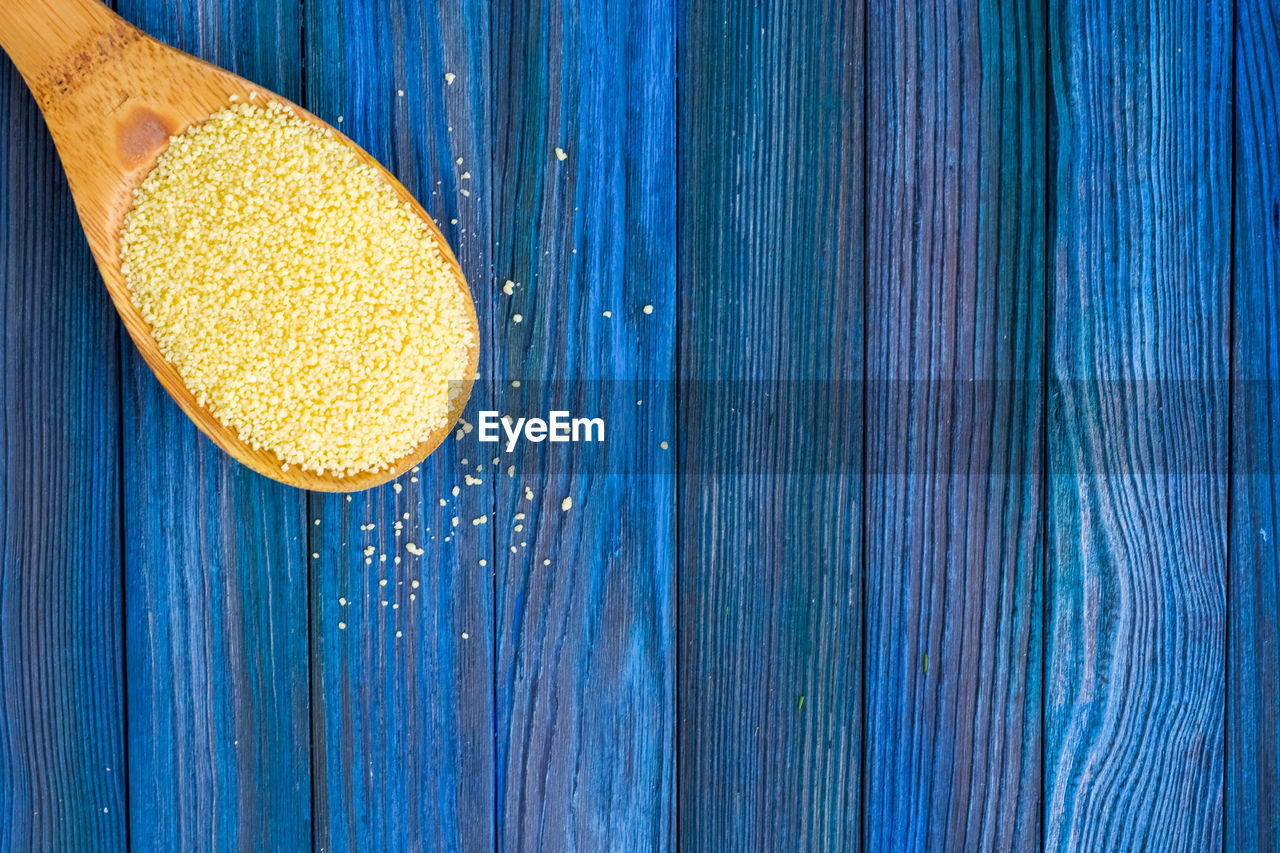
{"x": 303, "y": 303}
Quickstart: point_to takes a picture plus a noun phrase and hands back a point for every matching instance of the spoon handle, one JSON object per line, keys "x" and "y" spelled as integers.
{"x": 57, "y": 44}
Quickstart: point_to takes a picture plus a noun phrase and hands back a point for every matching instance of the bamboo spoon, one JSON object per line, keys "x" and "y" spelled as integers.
{"x": 112, "y": 97}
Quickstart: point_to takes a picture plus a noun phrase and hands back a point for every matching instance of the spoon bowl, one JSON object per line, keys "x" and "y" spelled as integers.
{"x": 113, "y": 97}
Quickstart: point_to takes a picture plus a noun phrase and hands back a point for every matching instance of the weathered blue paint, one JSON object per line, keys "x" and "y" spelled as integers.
{"x": 955, "y": 355}
{"x": 62, "y": 744}
{"x": 815, "y": 620}
{"x": 402, "y": 731}
{"x": 585, "y": 614}
{"x": 1139, "y": 303}
{"x": 772, "y": 274}
{"x": 215, "y": 575}
{"x": 1253, "y": 594}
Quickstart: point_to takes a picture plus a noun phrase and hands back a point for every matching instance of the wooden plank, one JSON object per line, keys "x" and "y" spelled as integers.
{"x": 403, "y": 690}
{"x": 62, "y": 765}
{"x": 585, "y": 619}
{"x": 216, "y": 587}
{"x": 771, "y": 358}
{"x": 955, "y": 353}
{"x": 1253, "y": 665}
{"x": 1138, "y": 442}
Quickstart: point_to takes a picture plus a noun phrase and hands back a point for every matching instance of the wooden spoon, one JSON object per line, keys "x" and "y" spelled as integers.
{"x": 112, "y": 97}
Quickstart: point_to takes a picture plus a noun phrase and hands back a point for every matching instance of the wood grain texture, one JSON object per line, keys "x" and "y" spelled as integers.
{"x": 771, "y": 349}
{"x": 402, "y": 691}
{"x": 216, "y": 587}
{"x": 1137, "y": 418}
{"x": 585, "y": 610}
{"x": 854, "y": 569}
{"x": 955, "y": 353}
{"x": 1253, "y": 655}
{"x": 62, "y": 732}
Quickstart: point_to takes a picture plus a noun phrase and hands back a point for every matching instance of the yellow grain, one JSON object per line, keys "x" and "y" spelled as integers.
{"x": 302, "y": 302}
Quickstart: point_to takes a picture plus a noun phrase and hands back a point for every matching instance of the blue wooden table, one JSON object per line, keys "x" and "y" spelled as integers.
{"x": 938, "y": 504}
